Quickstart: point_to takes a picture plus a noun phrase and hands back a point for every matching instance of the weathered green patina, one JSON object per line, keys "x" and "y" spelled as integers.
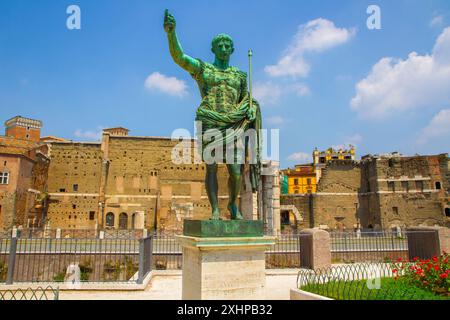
{"x": 218, "y": 229}
{"x": 225, "y": 105}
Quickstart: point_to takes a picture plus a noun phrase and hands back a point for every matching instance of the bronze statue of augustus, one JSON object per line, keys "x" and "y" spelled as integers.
{"x": 226, "y": 107}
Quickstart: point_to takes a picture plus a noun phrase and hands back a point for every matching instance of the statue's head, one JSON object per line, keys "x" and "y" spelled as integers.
{"x": 222, "y": 46}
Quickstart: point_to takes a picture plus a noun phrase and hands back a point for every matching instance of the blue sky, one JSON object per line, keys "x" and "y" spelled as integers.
{"x": 322, "y": 77}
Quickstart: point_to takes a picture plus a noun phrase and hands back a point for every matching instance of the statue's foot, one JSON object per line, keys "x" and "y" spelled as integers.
{"x": 234, "y": 211}
{"x": 215, "y": 214}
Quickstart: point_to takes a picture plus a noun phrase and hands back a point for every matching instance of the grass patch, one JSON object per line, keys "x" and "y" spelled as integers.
{"x": 390, "y": 289}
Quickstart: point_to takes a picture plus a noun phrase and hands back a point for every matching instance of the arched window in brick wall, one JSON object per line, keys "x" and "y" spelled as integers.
{"x": 110, "y": 219}
{"x": 123, "y": 221}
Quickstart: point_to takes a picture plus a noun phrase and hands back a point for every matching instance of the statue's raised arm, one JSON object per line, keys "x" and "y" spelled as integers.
{"x": 188, "y": 63}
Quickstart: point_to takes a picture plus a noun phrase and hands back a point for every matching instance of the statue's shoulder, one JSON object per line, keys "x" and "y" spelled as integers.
{"x": 240, "y": 73}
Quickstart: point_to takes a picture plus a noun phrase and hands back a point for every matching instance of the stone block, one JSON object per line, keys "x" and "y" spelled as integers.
{"x": 315, "y": 250}
{"x": 224, "y": 268}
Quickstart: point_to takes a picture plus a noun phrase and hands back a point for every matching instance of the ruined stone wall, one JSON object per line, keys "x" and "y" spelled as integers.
{"x": 336, "y": 203}
{"x": 409, "y": 192}
{"x": 73, "y": 184}
{"x": 134, "y": 177}
{"x": 141, "y": 170}
{"x": 303, "y": 204}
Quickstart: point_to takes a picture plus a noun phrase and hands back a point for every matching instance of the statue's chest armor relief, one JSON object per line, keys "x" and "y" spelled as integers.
{"x": 222, "y": 89}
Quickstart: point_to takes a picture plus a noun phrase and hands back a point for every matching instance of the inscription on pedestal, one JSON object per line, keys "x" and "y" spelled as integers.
{"x": 223, "y": 228}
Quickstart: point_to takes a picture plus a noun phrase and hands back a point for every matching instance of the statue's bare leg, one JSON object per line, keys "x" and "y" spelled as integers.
{"x": 212, "y": 189}
{"x": 234, "y": 188}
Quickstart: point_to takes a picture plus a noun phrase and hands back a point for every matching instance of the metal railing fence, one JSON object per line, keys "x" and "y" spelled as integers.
{"x": 39, "y": 293}
{"x": 373, "y": 246}
{"x": 76, "y": 233}
{"x": 84, "y": 260}
{"x": 360, "y": 281}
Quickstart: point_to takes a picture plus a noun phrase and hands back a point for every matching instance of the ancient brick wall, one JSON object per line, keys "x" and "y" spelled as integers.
{"x": 73, "y": 184}
{"x": 303, "y": 204}
{"x": 411, "y": 191}
{"x": 336, "y": 203}
{"x": 138, "y": 178}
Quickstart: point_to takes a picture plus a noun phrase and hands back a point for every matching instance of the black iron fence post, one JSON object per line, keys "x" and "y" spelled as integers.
{"x": 11, "y": 261}
{"x": 151, "y": 254}
{"x": 140, "y": 279}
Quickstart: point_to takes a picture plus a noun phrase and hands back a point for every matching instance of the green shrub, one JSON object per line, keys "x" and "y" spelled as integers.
{"x": 59, "y": 277}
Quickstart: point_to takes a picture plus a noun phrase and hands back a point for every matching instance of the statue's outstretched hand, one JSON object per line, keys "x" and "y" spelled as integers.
{"x": 169, "y": 22}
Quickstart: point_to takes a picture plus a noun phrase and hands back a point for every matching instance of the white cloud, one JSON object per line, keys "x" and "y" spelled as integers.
{"x": 313, "y": 37}
{"x": 170, "y": 85}
{"x": 276, "y": 120}
{"x": 396, "y": 85}
{"x": 267, "y": 92}
{"x": 270, "y": 93}
{"x": 438, "y": 128}
{"x": 89, "y": 134}
{"x": 300, "y": 157}
{"x": 437, "y": 21}
{"x": 353, "y": 140}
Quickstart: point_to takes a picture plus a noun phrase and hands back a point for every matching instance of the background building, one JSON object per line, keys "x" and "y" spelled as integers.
{"x": 119, "y": 182}
{"x": 303, "y": 178}
{"x": 379, "y": 192}
{"x": 23, "y": 174}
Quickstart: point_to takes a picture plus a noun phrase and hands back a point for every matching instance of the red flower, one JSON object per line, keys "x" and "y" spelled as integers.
{"x": 444, "y": 276}
{"x": 435, "y": 259}
{"x": 394, "y": 270}
{"x": 436, "y": 268}
{"x": 399, "y": 259}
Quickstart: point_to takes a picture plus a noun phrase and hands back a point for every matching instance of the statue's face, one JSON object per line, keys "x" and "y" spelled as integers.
{"x": 223, "y": 49}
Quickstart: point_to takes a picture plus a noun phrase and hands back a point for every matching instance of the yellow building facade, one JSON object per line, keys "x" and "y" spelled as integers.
{"x": 301, "y": 179}
{"x": 304, "y": 178}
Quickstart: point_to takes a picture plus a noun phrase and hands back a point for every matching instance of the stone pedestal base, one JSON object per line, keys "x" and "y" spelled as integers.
{"x": 224, "y": 268}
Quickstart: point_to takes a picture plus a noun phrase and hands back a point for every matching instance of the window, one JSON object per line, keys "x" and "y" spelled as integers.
{"x": 110, "y": 219}
{"x": 4, "y": 177}
{"x": 285, "y": 218}
{"x": 91, "y": 215}
{"x": 74, "y": 206}
{"x": 308, "y": 181}
{"x": 322, "y": 160}
{"x": 391, "y": 186}
{"x": 405, "y": 186}
{"x": 62, "y": 190}
{"x": 296, "y": 191}
{"x": 75, "y": 187}
{"x": 447, "y": 212}
{"x": 438, "y": 185}
{"x": 123, "y": 221}
{"x": 296, "y": 182}
{"x": 419, "y": 186}
{"x": 395, "y": 210}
